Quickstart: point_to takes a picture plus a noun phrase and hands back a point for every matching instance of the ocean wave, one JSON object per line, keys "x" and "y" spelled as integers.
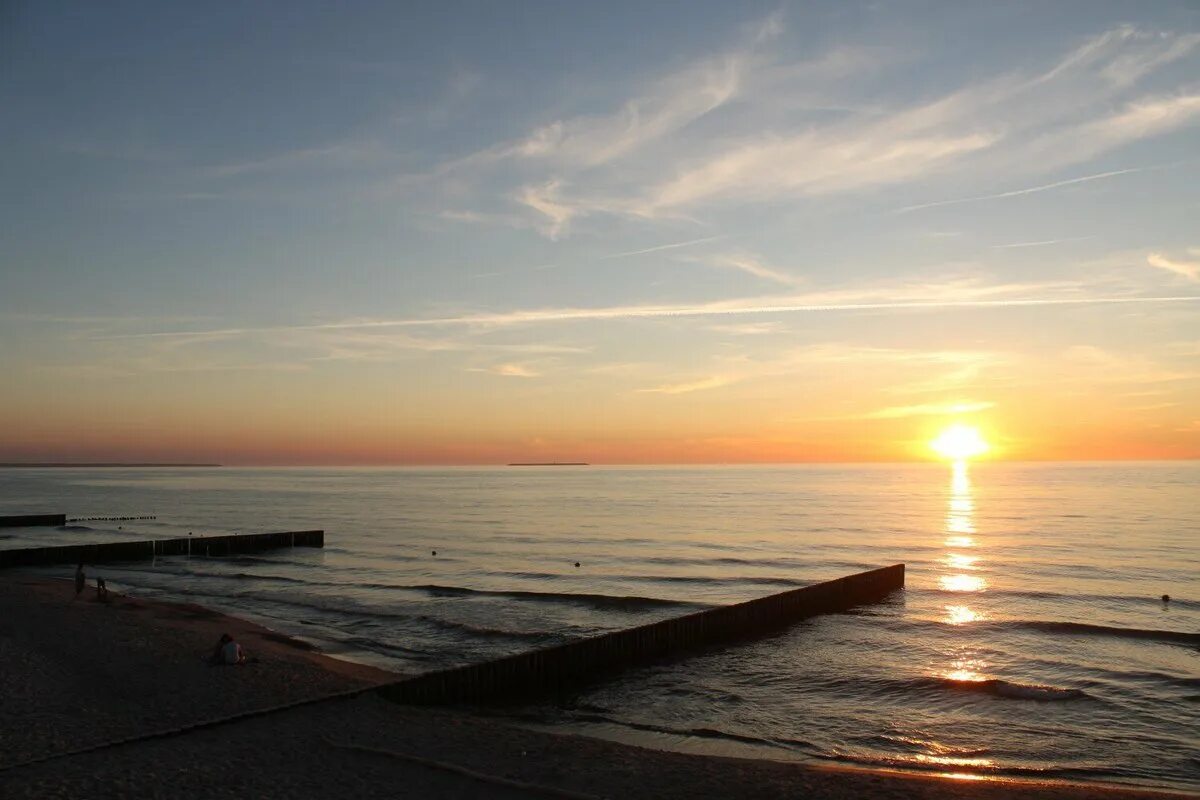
{"x": 1087, "y": 629}
{"x": 365, "y": 613}
{"x": 1057, "y": 627}
{"x": 441, "y": 623}
{"x": 1031, "y": 594}
{"x": 995, "y": 687}
{"x": 1152, "y": 676}
{"x": 705, "y": 580}
{"x": 628, "y": 603}
{"x": 925, "y": 763}
{"x": 631, "y": 603}
{"x": 700, "y": 732}
{"x": 1002, "y": 688}
{"x": 484, "y": 631}
{"x": 605, "y": 601}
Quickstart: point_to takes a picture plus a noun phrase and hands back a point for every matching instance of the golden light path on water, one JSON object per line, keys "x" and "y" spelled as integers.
{"x": 960, "y": 536}
{"x": 962, "y": 565}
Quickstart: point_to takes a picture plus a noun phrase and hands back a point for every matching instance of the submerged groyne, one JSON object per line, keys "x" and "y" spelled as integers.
{"x": 143, "y": 550}
{"x": 33, "y": 520}
{"x": 557, "y": 668}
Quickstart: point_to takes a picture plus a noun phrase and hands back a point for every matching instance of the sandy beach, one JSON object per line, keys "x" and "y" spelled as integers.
{"x": 117, "y": 700}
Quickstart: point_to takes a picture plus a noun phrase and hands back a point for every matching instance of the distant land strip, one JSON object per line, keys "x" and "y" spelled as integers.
{"x": 549, "y": 464}
{"x": 85, "y": 465}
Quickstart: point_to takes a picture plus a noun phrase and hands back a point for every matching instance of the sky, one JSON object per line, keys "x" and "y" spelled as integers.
{"x": 701, "y": 232}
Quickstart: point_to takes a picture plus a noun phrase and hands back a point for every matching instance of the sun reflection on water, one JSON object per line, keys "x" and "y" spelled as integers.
{"x": 961, "y": 615}
{"x": 960, "y": 522}
{"x": 961, "y": 574}
{"x": 967, "y": 670}
{"x": 962, "y": 583}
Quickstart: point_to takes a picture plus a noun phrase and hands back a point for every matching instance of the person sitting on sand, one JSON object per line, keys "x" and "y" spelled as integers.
{"x": 228, "y": 651}
{"x": 80, "y": 579}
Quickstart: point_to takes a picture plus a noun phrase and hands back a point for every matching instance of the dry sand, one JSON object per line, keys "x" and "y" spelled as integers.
{"x": 80, "y": 674}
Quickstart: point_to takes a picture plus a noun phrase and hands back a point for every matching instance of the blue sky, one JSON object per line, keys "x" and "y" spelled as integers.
{"x": 697, "y": 230}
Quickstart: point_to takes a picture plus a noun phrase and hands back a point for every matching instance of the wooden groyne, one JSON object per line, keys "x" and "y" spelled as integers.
{"x": 556, "y": 668}
{"x": 31, "y": 520}
{"x": 155, "y": 548}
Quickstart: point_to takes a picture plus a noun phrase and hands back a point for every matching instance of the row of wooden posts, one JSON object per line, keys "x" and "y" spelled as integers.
{"x": 156, "y": 548}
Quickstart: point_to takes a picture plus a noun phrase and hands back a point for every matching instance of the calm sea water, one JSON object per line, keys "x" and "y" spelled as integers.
{"x": 1030, "y": 641}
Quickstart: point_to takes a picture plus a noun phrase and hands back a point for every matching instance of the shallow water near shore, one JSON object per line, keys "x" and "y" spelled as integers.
{"x": 1030, "y": 640}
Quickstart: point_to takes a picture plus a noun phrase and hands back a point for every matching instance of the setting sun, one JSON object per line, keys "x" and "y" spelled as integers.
{"x": 958, "y": 442}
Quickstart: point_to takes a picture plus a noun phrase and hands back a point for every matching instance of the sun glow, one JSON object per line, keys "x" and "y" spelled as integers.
{"x": 959, "y": 442}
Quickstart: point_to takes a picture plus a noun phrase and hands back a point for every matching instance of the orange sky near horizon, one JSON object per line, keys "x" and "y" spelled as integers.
{"x": 304, "y": 434}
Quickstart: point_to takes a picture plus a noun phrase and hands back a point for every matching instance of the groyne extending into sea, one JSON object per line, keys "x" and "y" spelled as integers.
{"x": 556, "y": 669}
{"x": 154, "y": 548}
{"x": 33, "y": 520}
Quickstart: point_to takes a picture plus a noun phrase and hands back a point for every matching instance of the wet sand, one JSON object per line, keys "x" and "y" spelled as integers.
{"x": 104, "y": 700}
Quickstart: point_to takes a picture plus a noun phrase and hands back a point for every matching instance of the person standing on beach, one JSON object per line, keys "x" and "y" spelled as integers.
{"x": 80, "y": 579}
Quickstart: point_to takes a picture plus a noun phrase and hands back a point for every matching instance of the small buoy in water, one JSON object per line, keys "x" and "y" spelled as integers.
{"x": 576, "y": 564}
{"x": 435, "y": 552}
{"x": 1166, "y": 598}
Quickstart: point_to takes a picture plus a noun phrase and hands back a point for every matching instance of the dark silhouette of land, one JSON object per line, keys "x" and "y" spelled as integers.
{"x": 91, "y": 465}
{"x": 549, "y": 464}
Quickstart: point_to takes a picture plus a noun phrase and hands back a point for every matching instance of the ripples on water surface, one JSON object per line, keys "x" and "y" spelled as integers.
{"x": 1030, "y": 639}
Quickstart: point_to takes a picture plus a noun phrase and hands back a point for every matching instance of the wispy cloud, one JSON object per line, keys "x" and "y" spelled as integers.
{"x": 515, "y": 371}
{"x": 1188, "y": 269}
{"x": 1091, "y": 365}
{"x": 749, "y": 328}
{"x": 653, "y": 158}
{"x": 556, "y": 215}
{"x": 731, "y": 370}
{"x": 927, "y": 410}
{"x": 955, "y": 296}
{"x": 811, "y": 163}
{"x": 752, "y": 265}
{"x": 676, "y": 101}
{"x": 700, "y": 385}
{"x": 1130, "y": 67}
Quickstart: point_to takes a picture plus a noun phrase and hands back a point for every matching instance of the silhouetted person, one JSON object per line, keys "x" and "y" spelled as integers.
{"x": 1166, "y": 598}
{"x": 227, "y": 651}
{"x": 80, "y": 579}
{"x": 101, "y": 590}
{"x": 216, "y": 656}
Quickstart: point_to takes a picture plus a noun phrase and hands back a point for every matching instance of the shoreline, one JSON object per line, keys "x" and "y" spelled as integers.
{"x": 81, "y": 674}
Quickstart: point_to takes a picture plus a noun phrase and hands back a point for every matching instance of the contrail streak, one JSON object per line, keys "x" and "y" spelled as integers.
{"x": 1042, "y": 242}
{"x": 1032, "y": 189}
{"x": 661, "y": 247}
{"x": 664, "y": 311}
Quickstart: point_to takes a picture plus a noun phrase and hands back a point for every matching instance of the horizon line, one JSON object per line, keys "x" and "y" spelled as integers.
{"x": 419, "y": 465}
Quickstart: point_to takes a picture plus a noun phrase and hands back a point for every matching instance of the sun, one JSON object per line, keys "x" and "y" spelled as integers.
{"x": 959, "y": 442}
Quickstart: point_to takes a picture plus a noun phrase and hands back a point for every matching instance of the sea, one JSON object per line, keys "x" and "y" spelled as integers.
{"x": 1031, "y": 640}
